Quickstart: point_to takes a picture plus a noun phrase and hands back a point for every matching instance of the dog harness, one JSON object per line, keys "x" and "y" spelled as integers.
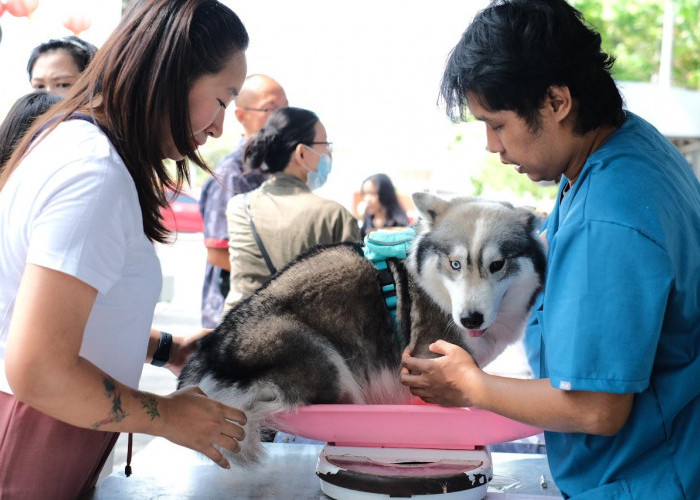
{"x": 379, "y": 247}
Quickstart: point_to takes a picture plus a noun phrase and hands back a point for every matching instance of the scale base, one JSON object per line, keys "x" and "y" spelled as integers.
{"x": 359, "y": 473}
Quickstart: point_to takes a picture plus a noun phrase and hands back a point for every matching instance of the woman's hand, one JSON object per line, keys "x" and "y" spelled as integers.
{"x": 193, "y": 420}
{"x": 446, "y": 380}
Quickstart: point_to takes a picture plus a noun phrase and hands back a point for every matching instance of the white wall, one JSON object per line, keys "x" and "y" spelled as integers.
{"x": 370, "y": 69}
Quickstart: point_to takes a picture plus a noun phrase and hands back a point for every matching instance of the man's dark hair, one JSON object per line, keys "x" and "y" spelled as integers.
{"x": 515, "y": 50}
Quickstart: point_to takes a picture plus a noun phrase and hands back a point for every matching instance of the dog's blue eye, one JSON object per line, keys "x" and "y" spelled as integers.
{"x": 496, "y": 265}
{"x": 456, "y": 265}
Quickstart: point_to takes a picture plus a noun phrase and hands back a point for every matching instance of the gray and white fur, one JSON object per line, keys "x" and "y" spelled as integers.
{"x": 319, "y": 331}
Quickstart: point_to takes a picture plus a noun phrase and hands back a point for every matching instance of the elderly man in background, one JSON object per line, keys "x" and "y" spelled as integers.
{"x": 259, "y": 96}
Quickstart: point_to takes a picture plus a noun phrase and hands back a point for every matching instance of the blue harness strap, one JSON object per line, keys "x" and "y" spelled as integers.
{"x": 380, "y": 246}
{"x": 386, "y": 281}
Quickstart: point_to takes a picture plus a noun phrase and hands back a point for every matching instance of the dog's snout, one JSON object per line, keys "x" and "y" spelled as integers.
{"x": 473, "y": 321}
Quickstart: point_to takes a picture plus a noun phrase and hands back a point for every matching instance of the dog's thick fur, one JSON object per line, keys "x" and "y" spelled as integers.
{"x": 320, "y": 332}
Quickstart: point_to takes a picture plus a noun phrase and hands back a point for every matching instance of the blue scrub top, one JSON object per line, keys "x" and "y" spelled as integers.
{"x": 621, "y": 314}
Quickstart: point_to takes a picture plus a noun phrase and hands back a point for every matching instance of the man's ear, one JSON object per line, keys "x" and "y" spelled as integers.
{"x": 559, "y": 101}
{"x": 240, "y": 114}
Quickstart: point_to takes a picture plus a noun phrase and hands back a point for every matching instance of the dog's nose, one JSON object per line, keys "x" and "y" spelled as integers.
{"x": 473, "y": 321}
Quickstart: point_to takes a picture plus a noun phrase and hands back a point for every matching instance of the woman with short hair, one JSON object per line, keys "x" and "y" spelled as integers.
{"x": 54, "y": 66}
{"x": 287, "y": 215}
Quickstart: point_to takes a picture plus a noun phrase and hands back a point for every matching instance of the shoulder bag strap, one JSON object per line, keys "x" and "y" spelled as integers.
{"x": 266, "y": 256}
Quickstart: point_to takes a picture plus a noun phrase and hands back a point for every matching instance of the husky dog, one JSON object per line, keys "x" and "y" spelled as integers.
{"x": 321, "y": 332}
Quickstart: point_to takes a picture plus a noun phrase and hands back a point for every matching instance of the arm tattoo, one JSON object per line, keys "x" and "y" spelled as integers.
{"x": 117, "y": 413}
{"x": 148, "y": 401}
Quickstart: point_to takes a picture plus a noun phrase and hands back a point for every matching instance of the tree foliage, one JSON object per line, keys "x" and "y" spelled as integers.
{"x": 491, "y": 176}
{"x": 686, "y": 48}
{"x": 632, "y": 30}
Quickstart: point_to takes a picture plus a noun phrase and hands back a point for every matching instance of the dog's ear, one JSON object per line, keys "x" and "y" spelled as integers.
{"x": 530, "y": 219}
{"x": 429, "y": 206}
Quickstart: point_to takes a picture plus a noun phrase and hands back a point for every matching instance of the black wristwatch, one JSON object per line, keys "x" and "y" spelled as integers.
{"x": 162, "y": 354}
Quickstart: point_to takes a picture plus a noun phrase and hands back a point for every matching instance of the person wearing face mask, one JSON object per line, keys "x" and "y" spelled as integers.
{"x": 54, "y": 66}
{"x": 271, "y": 225}
{"x": 260, "y": 95}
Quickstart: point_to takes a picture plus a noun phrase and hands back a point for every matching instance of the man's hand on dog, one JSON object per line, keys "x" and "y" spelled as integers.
{"x": 444, "y": 380}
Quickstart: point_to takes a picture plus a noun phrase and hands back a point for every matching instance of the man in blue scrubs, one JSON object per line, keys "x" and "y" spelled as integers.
{"x": 619, "y": 320}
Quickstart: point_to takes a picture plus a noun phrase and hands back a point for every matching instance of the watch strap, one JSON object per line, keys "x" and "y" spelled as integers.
{"x": 162, "y": 354}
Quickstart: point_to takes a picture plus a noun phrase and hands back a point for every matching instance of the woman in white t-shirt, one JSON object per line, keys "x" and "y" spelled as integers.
{"x": 80, "y": 207}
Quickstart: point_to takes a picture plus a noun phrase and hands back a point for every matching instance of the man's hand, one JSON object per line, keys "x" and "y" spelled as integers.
{"x": 445, "y": 380}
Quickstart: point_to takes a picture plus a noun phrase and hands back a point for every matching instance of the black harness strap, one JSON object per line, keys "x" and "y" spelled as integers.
{"x": 263, "y": 250}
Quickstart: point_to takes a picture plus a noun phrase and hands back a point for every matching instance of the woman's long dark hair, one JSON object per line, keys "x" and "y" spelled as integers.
{"x": 142, "y": 75}
{"x": 272, "y": 146}
{"x": 20, "y": 118}
{"x": 388, "y": 199}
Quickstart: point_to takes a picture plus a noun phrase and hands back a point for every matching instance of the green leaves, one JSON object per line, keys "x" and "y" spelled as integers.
{"x": 632, "y": 30}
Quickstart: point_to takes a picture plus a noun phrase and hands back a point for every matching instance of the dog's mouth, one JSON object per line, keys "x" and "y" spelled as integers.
{"x": 476, "y": 333}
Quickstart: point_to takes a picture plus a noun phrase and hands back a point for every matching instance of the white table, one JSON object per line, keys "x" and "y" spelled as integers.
{"x": 164, "y": 470}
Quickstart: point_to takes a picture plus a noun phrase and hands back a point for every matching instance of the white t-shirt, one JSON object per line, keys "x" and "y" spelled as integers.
{"x": 72, "y": 206}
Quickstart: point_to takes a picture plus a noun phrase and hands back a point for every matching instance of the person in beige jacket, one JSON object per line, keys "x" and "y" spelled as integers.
{"x": 288, "y": 217}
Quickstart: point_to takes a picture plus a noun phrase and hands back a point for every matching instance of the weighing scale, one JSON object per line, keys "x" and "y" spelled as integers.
{"x": 419, "y": 450}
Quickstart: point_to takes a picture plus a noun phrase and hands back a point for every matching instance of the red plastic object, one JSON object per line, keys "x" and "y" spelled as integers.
{"x": 21, "y": 8}
{"x": 77, "y": 23}
{"x": 182, "y": 215}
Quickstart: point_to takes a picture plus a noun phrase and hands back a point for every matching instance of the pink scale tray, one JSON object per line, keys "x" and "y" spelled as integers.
{"x": 417, "y": 425}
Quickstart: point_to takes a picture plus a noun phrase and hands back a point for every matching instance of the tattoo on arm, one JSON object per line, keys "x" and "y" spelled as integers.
{"x": 117, "y": 413}
{"x": 148, "y": 401}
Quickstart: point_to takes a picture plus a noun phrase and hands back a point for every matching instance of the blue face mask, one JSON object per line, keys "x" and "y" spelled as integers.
{"x": 318, "y": 178}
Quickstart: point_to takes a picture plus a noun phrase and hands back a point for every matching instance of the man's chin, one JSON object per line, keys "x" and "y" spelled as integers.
{"x": 534, "y": 177}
